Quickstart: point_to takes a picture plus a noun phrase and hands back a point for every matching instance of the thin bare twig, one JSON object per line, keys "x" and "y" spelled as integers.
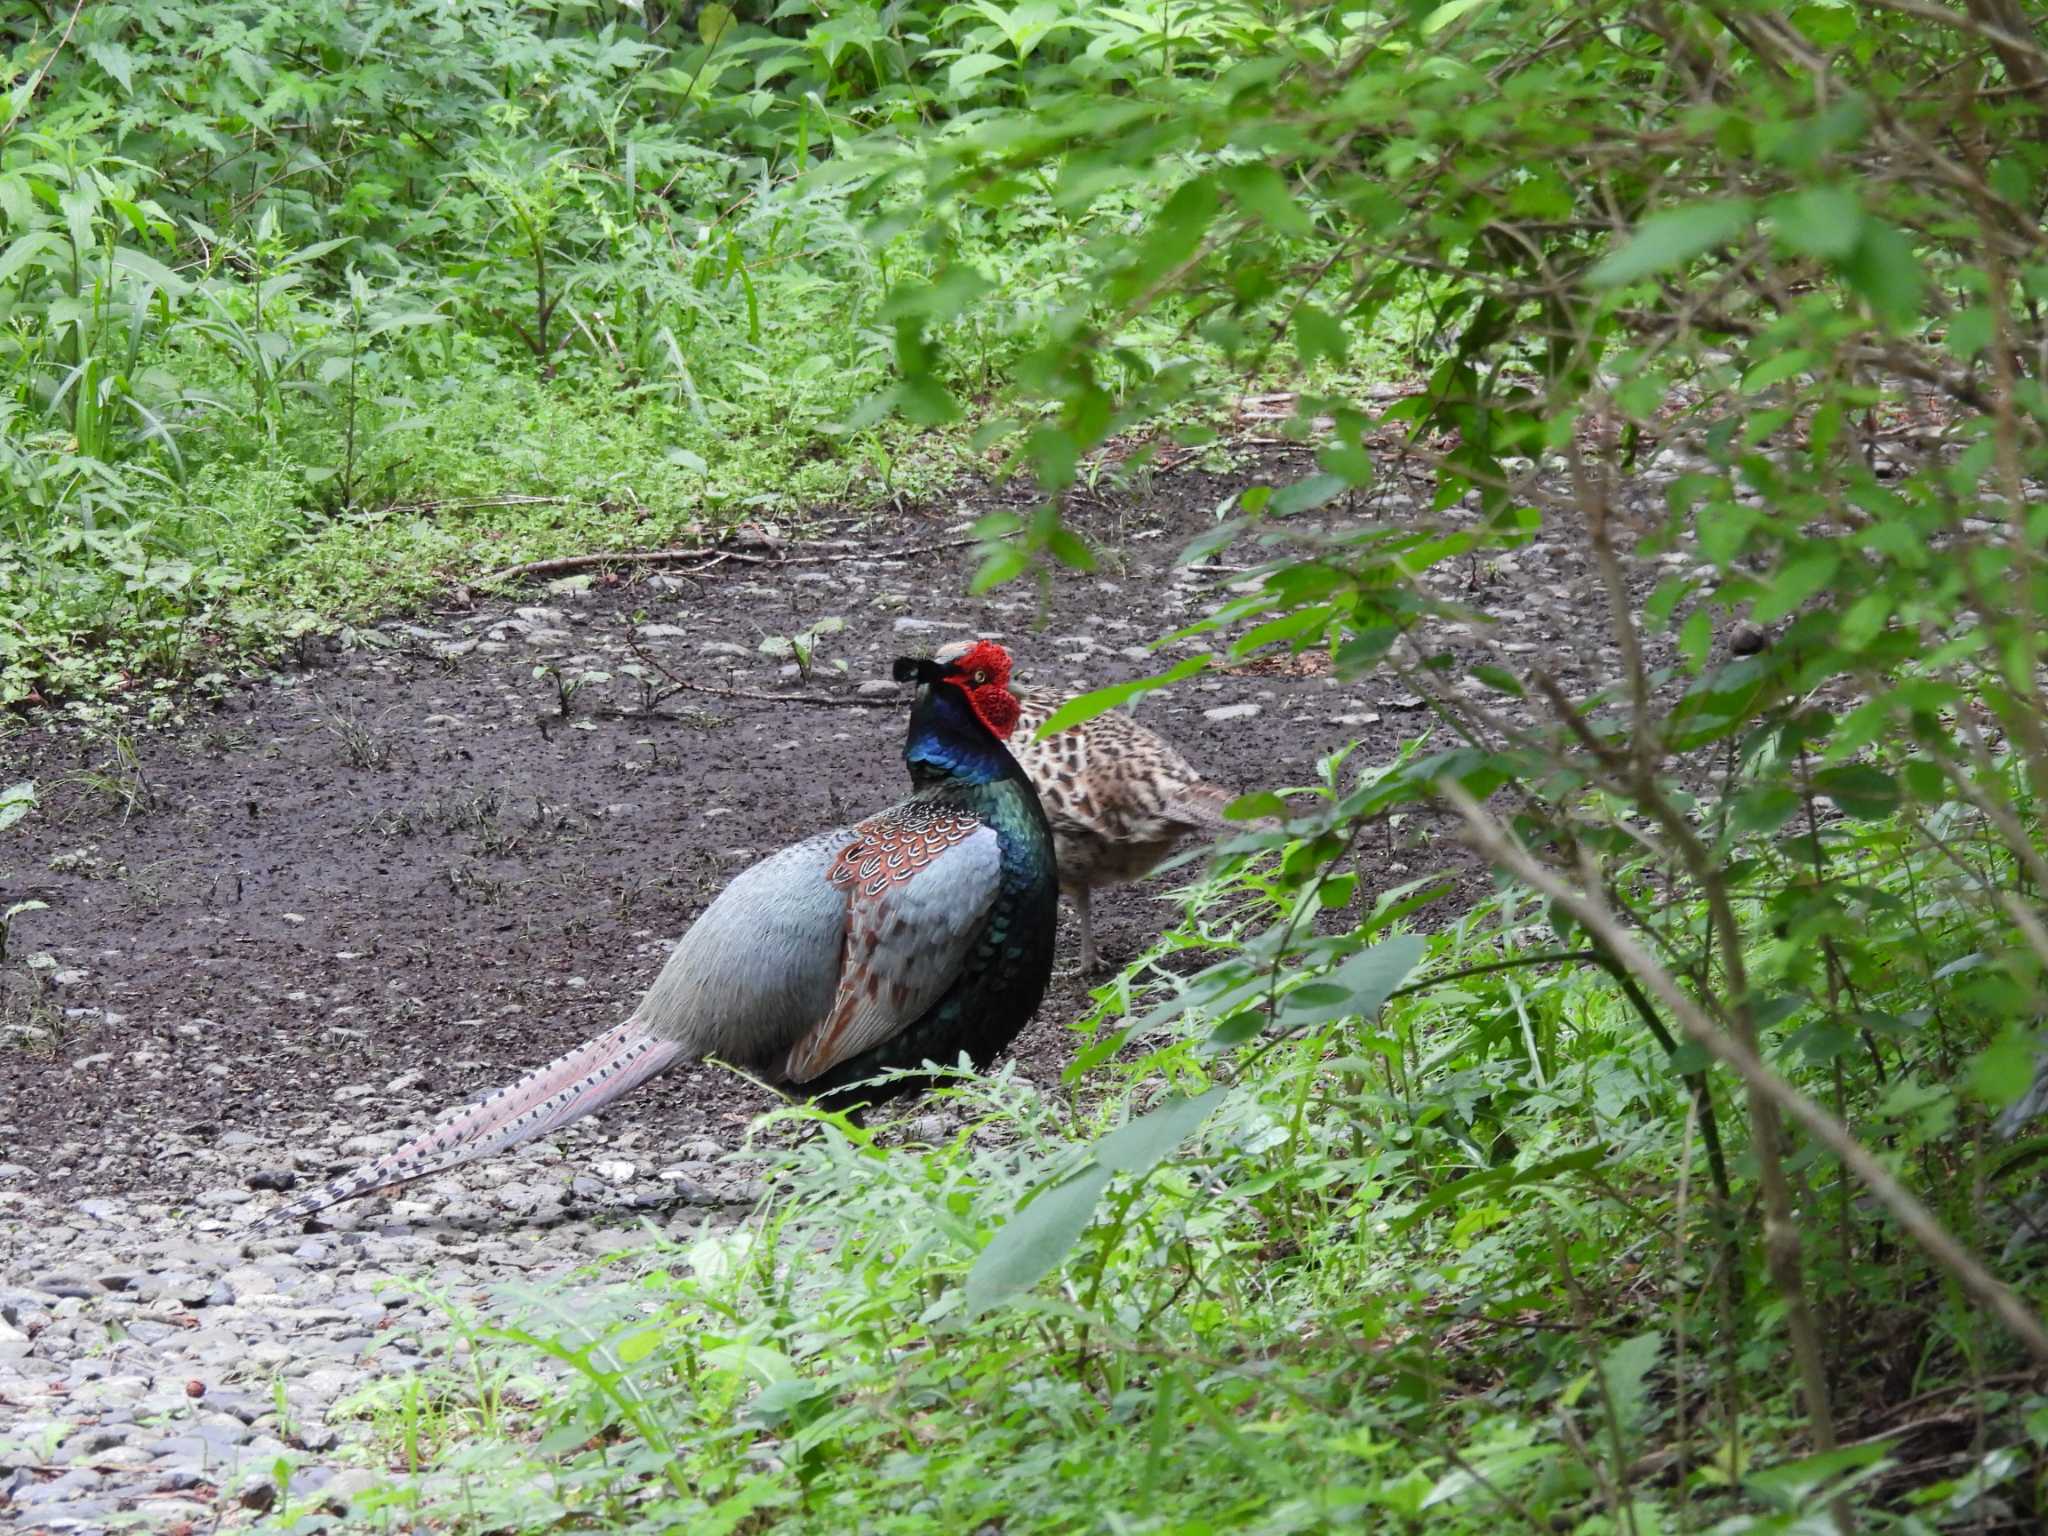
{"x": 819, "y": 700}
{"x": 709, "y": 554}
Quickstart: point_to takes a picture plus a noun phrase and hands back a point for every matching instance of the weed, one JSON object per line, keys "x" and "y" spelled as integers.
{"x": 118, "y": 777}
{"x": 802, "y": 647}
{"x": 475, "y": 885}
{"x": 362, "y": 744}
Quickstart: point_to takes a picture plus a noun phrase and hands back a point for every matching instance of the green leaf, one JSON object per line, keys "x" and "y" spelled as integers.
{"x": 971, "y": 67}
{"x": 1088, "y": 705}
{"x": 1821, "y": 221}
{"x": 1794, "y": 1484}
{"x": 637, "y": 1346}
{"x": 1318, "y": 335}
{"x": 1358, "y": 988}
{"x": 1665, "y": 241}
{"x": 1861, "y": 791}
{"x": 1306, "y": 495}
{"x": 1802, "y": 577}
{"x": 1006, "y": 562}
{"x": 1495, "y": 1181}
{"x": 1763, "y": 808}
{"x": 1500, "y": 680}
{"x": 151, "y": 271}
{"x": 713, "y": 23}
{"x": 1175, "y": 236}
{"x": 1886, "y": 274}
{"x": 1260, "y": 802}
{"x": 1038, "y": 1236}
{"x": 16, "y": 800}
{"x": 2004, "y": 1069}
{"x": 1447, "y": 13}
{"x": 1263, "y": 191}
{"x": 1696, "y": 637}
{"x": 1626, "y": 1370}
{"x": 1068, "y": 549}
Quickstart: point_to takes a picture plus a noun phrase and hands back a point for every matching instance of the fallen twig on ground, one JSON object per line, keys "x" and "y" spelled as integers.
{"x": 711, "y": 555}
{"x": 682, "y": 685}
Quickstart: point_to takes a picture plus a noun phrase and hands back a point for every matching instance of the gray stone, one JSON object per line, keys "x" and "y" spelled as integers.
{"x": 58, "y": 1489}
{"x": 79, "y": 1513}
{"x": 256, "y": 1492}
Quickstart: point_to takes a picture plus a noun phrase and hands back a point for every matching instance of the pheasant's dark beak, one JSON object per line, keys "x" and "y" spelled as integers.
{"x": 916, "y": 669}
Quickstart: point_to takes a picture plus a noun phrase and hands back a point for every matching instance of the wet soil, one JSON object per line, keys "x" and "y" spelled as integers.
{"x": 356, "y": 891}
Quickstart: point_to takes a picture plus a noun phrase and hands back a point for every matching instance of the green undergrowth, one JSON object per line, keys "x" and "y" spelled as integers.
{"x": 293, "y": 320}
{"x": 1388, "y": 1233}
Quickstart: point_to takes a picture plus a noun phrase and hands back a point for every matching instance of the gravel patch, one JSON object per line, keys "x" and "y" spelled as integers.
{"x": 159, "y": 1369}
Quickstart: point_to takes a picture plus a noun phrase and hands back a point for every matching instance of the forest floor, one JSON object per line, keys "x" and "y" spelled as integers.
{"x": 354, "y": 892}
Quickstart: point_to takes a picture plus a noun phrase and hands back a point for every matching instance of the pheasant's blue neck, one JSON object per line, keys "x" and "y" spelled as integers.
{"x": 947, "y": 741}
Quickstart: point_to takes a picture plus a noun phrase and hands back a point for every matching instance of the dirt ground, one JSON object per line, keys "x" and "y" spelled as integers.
{"x": 399, "y": 876}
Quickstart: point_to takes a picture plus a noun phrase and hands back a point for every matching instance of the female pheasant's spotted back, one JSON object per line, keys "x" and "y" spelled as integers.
{"x": 1119, "y": 799}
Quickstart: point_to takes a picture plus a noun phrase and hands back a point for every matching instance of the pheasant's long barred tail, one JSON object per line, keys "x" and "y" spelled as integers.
{"x": 565, "y": 1090}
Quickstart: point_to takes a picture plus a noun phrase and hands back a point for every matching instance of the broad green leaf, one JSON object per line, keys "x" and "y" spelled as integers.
{"x": 1696, "y": 637}
{"x": 1494, "y": 1181}
{"x": 1798, "y": 579}
{"x": 1791, "y": 1486}
{"x": 1067, "y": 548}
{"x": 759, "y": 1361}
{"x": 1088, "y": 705}
{"x": 43, "y": 245}
{"x": 1447, "y": 13}
{"x": 1004, "y": 563}
{"x": 1318, "y": 335}
{"x": 1626, "y": 1370}
{"x": 1263, "y": 191}
{"x": 151, "y": 271}
{"x": 16, "y": 801}
{"x": 1359, "y": 987}
{"x": 1819, "y": 221}
{"x": 971, "y": 67}
{"x": 1886, "y": 273}
{"x": 637, "y": 1346}
{"x": 1034, "y": 1240}
{"x": 2004, "y": 1069}
{"x": 713, "y": 23}
{"x": 1306, "y": 495}
{"x": 1666, "y": 241}
{"x": 1861, "y": 791}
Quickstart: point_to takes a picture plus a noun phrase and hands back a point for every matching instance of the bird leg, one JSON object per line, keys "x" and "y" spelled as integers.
{"x": 1089, "y": 958}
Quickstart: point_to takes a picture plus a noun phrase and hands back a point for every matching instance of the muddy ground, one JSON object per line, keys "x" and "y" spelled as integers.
{"x": 359, "y": 890}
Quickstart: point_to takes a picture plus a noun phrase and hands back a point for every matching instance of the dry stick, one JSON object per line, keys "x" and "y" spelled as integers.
{"x": 818, "y": 699}
{"x": 821, "y": 701}
{"x": 1492, "y": 840}
{"x": 709, "y": 554}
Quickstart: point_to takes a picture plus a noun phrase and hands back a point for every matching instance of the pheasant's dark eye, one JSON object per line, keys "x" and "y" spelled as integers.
{"x": 980, "y": 678}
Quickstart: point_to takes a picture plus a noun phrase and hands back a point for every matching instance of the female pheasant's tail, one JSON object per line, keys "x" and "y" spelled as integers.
{"x": 563, "y": 1091}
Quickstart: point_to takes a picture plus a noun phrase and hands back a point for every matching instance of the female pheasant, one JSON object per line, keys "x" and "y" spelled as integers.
{"x": 1120, "y": 800}
{"x": 905, "y": 938}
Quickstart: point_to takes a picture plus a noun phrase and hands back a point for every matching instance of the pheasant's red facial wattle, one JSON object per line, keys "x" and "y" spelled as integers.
{"x": 982, "y": 672}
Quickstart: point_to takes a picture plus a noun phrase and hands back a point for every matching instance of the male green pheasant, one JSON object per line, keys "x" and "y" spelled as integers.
{"x": 903, "y": 939}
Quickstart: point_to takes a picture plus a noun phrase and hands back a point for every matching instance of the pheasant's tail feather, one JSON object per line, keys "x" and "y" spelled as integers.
{"x": 563, "y": 1091}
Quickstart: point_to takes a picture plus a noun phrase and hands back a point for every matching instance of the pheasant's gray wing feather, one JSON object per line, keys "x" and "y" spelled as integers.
{"x": 760, "y": 968}
{"x": 917, "y": 885}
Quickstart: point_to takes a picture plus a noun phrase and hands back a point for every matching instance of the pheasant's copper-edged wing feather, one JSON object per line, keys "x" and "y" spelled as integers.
{"x": 919, "y": 881}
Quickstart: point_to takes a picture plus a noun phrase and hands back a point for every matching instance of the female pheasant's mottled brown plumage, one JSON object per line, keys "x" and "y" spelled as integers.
{"x": 1120, "y": 800}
